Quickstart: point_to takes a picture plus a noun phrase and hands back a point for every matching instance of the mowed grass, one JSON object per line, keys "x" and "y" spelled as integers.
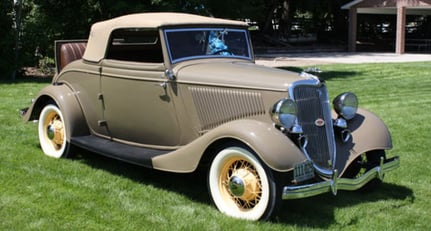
{"x": 90, "y": 192}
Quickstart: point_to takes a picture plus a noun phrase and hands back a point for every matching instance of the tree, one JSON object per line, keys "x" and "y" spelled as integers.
{"x": 6, "y": 39}
{"x": 30, "y": 24}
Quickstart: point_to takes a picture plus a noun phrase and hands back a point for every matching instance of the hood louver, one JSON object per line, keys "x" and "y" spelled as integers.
{"x": 216, "y": 106}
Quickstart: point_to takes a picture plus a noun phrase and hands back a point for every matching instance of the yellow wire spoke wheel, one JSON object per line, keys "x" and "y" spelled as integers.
{"x": 241, "y": 186}
{"x": 52, "y": 132}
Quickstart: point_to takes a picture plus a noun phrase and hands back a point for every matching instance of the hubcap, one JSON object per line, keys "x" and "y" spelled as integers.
{"x": 245, "y": 182}
{"x": 50, "y": 131}
{"x": 55, "y": 131}
{"x": 242, "y": 184}
{"x": 236, "y": 186}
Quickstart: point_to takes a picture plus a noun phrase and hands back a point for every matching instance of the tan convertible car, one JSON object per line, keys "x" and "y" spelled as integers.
{"x": 175, "y": 92}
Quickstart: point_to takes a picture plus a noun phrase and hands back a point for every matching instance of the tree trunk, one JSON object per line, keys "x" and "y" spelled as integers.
{"x": 282, "y": 16}
{"x": 284, "y": 19}
{"x": 267, "y": 28}
{"x": 17, "y": 5}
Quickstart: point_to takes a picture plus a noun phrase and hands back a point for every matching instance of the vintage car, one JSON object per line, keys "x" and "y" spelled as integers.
{"x": 176, "y": 92}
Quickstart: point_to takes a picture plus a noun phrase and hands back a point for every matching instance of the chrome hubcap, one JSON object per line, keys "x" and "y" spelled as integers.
{"x": 240, "y": 184}
{"x": 236, "y": 186}
{"x": 50, "y": 132}
{"x": 55, "y": 131}
{"x": 244, "y": 183}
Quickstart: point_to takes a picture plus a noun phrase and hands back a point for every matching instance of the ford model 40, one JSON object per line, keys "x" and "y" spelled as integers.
{"x": 175, "y": 92}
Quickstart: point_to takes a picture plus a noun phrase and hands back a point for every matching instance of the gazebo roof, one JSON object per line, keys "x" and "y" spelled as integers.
{"x": 416, "y": 7}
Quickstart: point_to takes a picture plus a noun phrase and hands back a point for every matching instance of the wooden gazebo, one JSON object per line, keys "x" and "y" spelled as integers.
{"x": 399, "y": 7}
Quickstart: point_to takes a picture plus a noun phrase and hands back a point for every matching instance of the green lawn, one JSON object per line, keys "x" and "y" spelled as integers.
{"x": 91, "y": 192}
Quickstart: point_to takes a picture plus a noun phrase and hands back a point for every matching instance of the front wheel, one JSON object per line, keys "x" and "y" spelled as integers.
{"x": 241, "y": 186}
{"x": 52, "y": 132}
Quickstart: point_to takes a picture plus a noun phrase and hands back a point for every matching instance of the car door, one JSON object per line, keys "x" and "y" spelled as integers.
{"x": 137, "y": 104}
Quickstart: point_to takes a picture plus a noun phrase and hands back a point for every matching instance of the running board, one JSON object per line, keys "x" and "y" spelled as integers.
{"x": 132, "y": 154}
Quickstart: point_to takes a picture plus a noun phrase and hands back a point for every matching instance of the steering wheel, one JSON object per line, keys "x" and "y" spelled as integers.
{"x": 220, "y": 52}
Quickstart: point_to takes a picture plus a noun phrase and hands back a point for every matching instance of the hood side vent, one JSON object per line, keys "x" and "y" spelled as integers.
{"x": 216, "y": 106}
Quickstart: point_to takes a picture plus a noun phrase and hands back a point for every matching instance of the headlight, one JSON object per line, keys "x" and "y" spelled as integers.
{"x": 284, "y": 113}
{"x": 346, "y": 105}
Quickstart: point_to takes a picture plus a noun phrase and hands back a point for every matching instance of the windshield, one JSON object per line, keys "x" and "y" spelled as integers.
{"x": 193, "y": 43}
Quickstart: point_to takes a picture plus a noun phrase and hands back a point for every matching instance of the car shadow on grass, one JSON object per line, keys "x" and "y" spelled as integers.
{"x": 191, "y": 185}
{"x": 318, "y": 211}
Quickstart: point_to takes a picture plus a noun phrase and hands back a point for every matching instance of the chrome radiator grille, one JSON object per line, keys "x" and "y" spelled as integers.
{"x": 313, "y": 109}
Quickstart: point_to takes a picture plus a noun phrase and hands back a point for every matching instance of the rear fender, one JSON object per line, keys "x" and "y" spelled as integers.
{"x": 273, "y": 147}
{"x": 66, "y": 100}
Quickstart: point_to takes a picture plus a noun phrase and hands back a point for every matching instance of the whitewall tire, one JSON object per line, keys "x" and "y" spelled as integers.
{"x": 240, "y": 186}
{"x": 52, "y": 132}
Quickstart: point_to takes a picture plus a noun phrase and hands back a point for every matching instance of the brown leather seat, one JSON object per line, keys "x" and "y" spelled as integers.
{"x": 70, "y": 52}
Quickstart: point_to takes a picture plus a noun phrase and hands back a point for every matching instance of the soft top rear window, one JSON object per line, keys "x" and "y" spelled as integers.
{"x": 135, "y": 44}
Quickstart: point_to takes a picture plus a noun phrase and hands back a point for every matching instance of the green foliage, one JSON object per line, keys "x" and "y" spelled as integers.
{"x": 47, "y": 20}
{"x": 91, "y": 192}
{"x": 44, "y": 21}
{"x": 6, "y": 40}
{"x": 47, "y": 65}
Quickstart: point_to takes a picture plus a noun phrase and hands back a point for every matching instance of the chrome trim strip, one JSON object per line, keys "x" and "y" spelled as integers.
{"x": 334, "y": 184}
{"x": 330, "y": 130}
{"x": 307, "y": 82}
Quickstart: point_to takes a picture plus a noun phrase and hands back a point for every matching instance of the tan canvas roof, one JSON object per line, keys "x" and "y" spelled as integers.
{"x": 100, "y": 32}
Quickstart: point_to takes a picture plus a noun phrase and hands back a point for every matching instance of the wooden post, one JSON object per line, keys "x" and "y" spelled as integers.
{"x": 353, "y": 22}
{"x": 401, "y": 30}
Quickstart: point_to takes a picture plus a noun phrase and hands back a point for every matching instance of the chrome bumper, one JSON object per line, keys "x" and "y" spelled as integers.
{"x": 335, "y": 183}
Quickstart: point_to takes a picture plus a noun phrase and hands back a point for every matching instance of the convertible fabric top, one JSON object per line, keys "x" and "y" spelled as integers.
{"x": 100, "y": 32}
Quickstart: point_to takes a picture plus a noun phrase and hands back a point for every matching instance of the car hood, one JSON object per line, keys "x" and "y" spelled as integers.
{"x": 236, "y": 74}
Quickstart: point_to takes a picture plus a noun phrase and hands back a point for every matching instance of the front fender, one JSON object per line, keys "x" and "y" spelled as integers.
{"x": 368, "y": 133}
{"x": 273, "y": 147}
{"x": 66, "y": 100}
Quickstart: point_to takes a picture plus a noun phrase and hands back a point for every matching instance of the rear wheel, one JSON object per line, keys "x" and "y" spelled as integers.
{"x": 241, "y": 186}
{"x": 52, "y": 132}
{"x": 364, "y": 163}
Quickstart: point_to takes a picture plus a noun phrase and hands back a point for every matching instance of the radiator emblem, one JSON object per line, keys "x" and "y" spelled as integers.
{"x": 319, "y": 122}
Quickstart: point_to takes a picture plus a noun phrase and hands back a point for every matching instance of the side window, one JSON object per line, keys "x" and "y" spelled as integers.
{"x": 136, "y": 45}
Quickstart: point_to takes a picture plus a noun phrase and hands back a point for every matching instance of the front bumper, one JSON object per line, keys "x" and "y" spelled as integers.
{"x": 334, "y": 184}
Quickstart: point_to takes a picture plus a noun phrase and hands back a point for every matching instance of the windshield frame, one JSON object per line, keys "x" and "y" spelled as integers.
{"x": 174, "y": 60}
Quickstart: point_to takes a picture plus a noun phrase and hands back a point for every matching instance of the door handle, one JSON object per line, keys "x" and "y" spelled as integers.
{"x": 164, "y": 84}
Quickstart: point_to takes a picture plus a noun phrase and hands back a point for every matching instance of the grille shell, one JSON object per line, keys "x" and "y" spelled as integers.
{"x": 314, "y": 115}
